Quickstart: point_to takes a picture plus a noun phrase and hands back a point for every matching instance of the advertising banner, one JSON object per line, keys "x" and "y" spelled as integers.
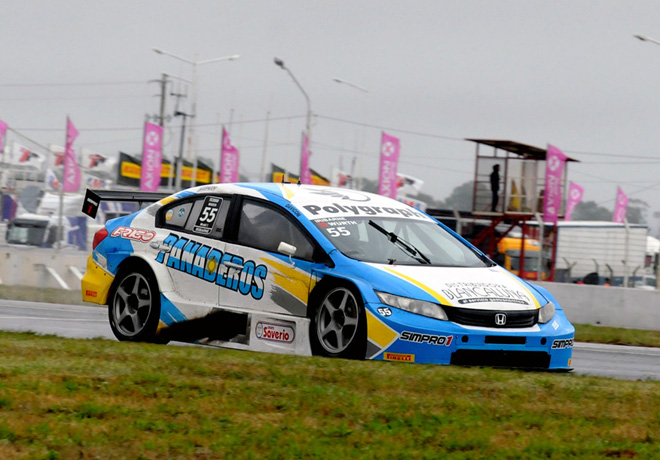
{"x": 152, "y": 157}
{"x": 279, "y": 175}
{"x": 3, "y": 130}
{"x": 620, "y": 206}
{"x": 129, "y": 172}
{"x": 554, "y": 169}
{"x": 390, "y": 147}
{"x": 305, "y": 173}
{"x": 228, "y": 160}
{"x": 575, "y": 193}
{"x": 71, "y": 170}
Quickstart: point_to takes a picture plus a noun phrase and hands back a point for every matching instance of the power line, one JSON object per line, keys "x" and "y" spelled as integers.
{"x": 389, "y": 128}
{"x": 106, "y": 83}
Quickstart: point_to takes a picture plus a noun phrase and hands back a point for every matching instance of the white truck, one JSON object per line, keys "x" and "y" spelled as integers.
{"x": 608, "y": 249}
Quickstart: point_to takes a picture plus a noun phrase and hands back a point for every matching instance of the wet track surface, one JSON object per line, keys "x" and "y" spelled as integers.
{"x": 86, "y": 322}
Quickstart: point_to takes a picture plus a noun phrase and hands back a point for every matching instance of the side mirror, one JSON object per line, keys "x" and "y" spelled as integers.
{"x": 287, "y": 249}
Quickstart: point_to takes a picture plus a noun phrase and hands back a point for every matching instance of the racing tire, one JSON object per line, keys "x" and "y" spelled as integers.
{"x": 338, "y": 327}
{"x": 134, "y": 307}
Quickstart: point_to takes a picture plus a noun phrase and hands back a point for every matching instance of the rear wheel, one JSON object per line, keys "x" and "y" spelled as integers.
{"x": 339, "y": 324}
{"x": 134, "y": 308}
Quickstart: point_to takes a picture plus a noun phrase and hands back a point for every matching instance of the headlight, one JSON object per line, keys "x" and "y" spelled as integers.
{"x": 546, "y": 312}
{"x": 418, "y": 307}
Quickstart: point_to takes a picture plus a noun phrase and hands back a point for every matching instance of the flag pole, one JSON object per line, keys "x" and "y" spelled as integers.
{"x": 60, "y": 216}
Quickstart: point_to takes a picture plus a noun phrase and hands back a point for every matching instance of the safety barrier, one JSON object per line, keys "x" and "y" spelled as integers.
{"x": 630, "y": 308}
{"x": 42, "y": 267}
{"x": 584, "y": 304}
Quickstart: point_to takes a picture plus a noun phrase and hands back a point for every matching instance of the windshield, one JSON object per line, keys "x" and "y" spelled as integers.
{"x": 29, "y": 234}
{"x": 404, "y": 242}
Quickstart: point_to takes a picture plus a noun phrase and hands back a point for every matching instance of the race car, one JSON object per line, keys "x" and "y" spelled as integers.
{"x": 313, "y": 270}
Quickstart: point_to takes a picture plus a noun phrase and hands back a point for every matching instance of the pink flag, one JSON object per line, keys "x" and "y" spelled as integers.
{"x": 71, "y": 170}
{"x": 575, "y": 193}
{"x": 228, "y": 160}
{"x": 389, "y": 160}
{"x": 620, "y": 207}
{"x": 305, "y": 173}
{"x": 152, "y": 157}
{"x": 3, "y": 130}
{"x": 554, "y": 169}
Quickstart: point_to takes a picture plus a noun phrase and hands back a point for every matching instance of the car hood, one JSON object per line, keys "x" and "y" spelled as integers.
{"x": 488, "y": 288}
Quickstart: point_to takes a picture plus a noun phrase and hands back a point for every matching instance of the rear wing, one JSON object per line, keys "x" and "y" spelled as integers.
{"x": 93, "y": 198}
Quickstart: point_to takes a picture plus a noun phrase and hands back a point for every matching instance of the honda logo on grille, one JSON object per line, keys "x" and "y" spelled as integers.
{"x": 500, "y": 319}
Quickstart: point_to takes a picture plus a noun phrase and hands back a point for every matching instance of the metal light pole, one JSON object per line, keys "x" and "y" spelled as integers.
{"x": 280, "y": 63}
{"x": 346, "y": 82}
{"x": 657, "y": 271}
{"x": 647, "y": 39}
{"x": 179, "y": 162}
{"x": 190, "y": 153}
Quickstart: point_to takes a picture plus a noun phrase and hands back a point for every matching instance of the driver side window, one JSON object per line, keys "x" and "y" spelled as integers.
{"x": 263, "y": 227}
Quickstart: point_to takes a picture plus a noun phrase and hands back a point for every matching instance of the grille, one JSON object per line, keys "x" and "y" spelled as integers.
{"x": 486, "y": 318}
{"x": 518, "y": 359}
{"x": 505, "y": 340}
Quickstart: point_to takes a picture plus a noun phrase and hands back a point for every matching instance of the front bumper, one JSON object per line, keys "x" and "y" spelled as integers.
{"x": 396, "y": 335}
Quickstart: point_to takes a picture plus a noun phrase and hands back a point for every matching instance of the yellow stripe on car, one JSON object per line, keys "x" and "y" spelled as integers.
{"x": 295, "y": 282}
{"x": 378, "y": 332}
{"x": 434, "y": 294}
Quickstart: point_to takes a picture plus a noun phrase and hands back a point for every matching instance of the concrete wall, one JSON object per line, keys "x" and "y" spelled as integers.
{"x": 583, "y": 304}
{"x": 608, "y": 306}
{"x": 40, "y": 267}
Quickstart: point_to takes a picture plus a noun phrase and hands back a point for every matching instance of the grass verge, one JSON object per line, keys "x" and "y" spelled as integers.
{"x": 62, "y": 398}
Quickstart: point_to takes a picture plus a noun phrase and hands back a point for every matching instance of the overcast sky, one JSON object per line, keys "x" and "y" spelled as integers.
{"x": 567, "y": 73}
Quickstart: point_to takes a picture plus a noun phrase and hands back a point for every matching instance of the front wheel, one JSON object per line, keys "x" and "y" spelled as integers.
{"x": 134, "y": 308}
{"x": 339, "y": 324}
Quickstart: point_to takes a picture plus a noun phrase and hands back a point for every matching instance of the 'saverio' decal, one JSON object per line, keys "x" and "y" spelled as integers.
{"x": 135, "y": 234}
{"x": 275, "y": 332}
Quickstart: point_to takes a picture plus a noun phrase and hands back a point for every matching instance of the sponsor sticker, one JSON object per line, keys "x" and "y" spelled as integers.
{"x": 275, "y": 332}
{"x": 561, "y": 344}
{"x": 91, "y": 293}
{"x": 209, "y": 264}
{"x": 466, "y": 293}
{"x": 416, "y": 337}
{"x": 208, "y": 215}
{"x": 384, "y": 311}
{"x": 135, "y": 234}
{"x": 402, "y": 357}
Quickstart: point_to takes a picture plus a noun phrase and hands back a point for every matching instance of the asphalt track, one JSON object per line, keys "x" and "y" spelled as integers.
{"x": 86, "y": 322}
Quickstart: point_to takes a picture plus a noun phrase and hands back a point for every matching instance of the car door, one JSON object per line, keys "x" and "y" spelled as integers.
{"x": 190, "y": 246}
{"x": 257, "y": 271}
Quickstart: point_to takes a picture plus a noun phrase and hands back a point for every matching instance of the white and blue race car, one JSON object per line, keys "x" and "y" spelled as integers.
{"x": 315, "y": 271}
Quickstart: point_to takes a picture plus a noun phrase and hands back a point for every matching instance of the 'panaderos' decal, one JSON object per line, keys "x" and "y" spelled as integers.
{"x": 476, "y": 292}
{"x": 207, "y": 263}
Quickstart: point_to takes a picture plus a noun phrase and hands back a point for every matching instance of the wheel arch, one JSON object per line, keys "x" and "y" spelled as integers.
{"x": 329, "y": 281}
{"x": 136, "y": 262}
